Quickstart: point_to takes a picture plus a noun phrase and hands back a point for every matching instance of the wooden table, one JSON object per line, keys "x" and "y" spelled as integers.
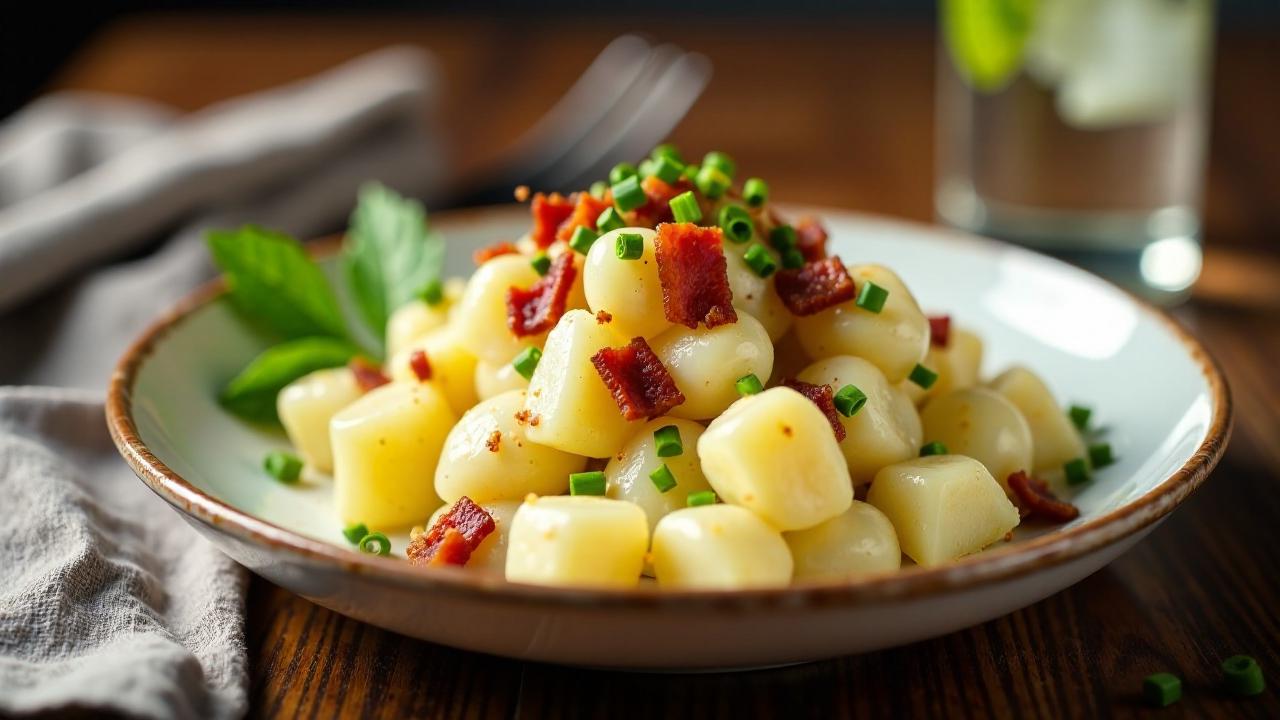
{"x": 842, "y": 115}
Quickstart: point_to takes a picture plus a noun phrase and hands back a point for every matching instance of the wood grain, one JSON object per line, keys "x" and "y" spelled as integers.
{"x": 839, "y": 115}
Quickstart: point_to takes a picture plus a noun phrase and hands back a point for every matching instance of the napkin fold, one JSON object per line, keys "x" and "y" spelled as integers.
{"x": 108, "y": 600}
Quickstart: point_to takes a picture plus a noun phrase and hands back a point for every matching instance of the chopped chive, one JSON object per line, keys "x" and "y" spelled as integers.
{"x": 749, "y": 385}
{"x": 1100, "y": 455}
{"x": 690, "y": 172}
{"x": 433, "y": 292}
{"x": 646, "y": 168}
{"x": 793, "y": 259}
{"x": 587, "y": 483}
{"x": 755, "y": 191}
{"x": 375, "y": 543}
{"x": 598, "y": 189}
{"x": 662, "y": 478}
{"x": 702, "y": 497}
{"x": 736, "y": 224}
{"x": 871, "y": 297}
{"x": 629, "y": 246}
{"x": 1161, "y": 689}
{"x": 582, "y": 239}
{"x": 527, "y": 361}
{"x": 923, "y": 376}
{"x": 620, "y": 172}
{"x": 541, "y": 263}
{"x": 628, "y": 195}
{"x": 684, "y": 208}
{"x": 667, "y": 443}
{"x": 666, "y": 150}
{"x": 1242, "y": 676}
{"x": 1076, "y": 470}
{"x": 610, "y": 219}
{"x": 933, "y": 448}
{"x": 355, "y": 532}
{"x": 283, "y": 466}
{"x": 760, "y": 261}
{"x": 1079, "y": 415}
{"x": 849, "y": 400}
{"x": 782, "y": 238}
{"x": 667, "y": 170}
{"x": 711, "y": 182}
{"x": 720, "y": 161}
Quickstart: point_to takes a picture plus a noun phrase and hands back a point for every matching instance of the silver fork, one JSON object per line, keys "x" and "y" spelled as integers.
{"x": 629, "y": 99}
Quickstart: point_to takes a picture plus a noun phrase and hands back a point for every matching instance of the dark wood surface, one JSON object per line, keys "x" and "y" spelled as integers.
{"x": 838, "y": 115}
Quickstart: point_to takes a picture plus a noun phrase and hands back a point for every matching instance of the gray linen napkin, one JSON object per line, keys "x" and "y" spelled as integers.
{"x": 108, "y": 601}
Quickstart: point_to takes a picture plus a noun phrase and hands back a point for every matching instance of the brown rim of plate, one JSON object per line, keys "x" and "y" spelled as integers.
{"x": 1041, "y": 552}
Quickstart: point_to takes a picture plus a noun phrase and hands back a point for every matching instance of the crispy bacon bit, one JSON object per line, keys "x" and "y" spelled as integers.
{"x": 522, "y": 416}
{"x": 815, "y": 286}
{"x": 1034, "y": 496}
{"x": 604, "y": 317}
{"x": 940, "y": 330}
{"x": 585, "y": 213}
{"x": 640, "y": 384}
{"x": 823, "y": 397}
{"x": 549, "y": 211}
{"x": 538, "y": 308}
{"x": 658, "y": 207}
{"x": 522, "y": 193}
{"x": 420, "y": 365}
{"x": 454, "y": 537}
{"x": 489, "y": 252}
{"x": 811, "y": 239}
{"x": 494, "y": 443}
{"x": 694, "y": 275}
{"x": 368, "y": 375}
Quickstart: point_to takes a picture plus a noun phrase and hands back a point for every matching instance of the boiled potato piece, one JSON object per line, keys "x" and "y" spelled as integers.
{"x": 385, "y": 448}
{"x": 774, "y": 454}
{"x": 453, "y": 367}
{"x": 981, "y": 424}
{"x": 894, "y": 339}
{"x": 887, "y": 428}
{"x": 1054, "y": 439}
{"x": 942, "y": 507}
{"x": 577, "y": 541}
{"x": 706, "y": 364}
{"x": 305, "y": 407}
{"x": 482, "y": 310}
{"x": 719, "y": 546}
{"x": 859, "y": 541}
{"x": 957, "y": 365}
{"x": 627, "y": 473}
{"x": 416, "y": 318}
{"x": 755, "y": 295}
{"x": 628, "y": 290}
{"x": 571, "y": 405}
{"x": 492, "y": 380}
{"x": 488, "y": 456}
{"x": 491, "y": 553}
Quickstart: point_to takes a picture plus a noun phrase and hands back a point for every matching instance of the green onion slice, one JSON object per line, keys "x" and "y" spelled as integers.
{"x": 749, "y": 385}
{"x": 582, "y": 239}
{"x": 629, "y": 246}
{"x": 620, "y": 172}
{"x": 849, "y": 400}
{"x": 609, "y": 220}
{"x": 1161, "y": 689}
{"x": 712, "y": 182}
{"x": 736, "y": 224}
{"x": 587, "y": 483}
{"x": 755, "y": 191}
{"x": 527, "y": 361}
{"x": 923, "y": 376}
{"x": 662, "y": 478}
{"x": 355, "y": 532}
{"x": 760, "y": 261}
{"x": 702, "y": 497}
{"x": 375, "y": 543}
{"x": 433, "y": 292}
{"x": 667, "y": 442}
{"x": 283, "y": 466}
{"x": 933, "y": 448}
{"x": 684, "y": 207}
{"x": 628, "y": 195}
{"x": 541, "y": 263}
{"x": 782, "y": 238}
{"x": 1076, "y": 471}
{"x": 1079, "y": 416}
{"x": 720, "y": 161}
{"x": 871, "y": 297}
{"x": 667, "y": 170}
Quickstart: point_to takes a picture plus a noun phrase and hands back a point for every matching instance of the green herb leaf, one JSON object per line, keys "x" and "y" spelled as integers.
{"x": 390, "y": 256}
{"x": 271, "y": 281}
{"x": 252, "y": 394}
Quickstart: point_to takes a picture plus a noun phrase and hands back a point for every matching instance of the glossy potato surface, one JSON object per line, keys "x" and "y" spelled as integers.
{"x": 719, "y": 546}
{"x": 858, "y": 541}
{"x": 306, "y": 406}
{"x": 628, "y": 290}
{"x": 577, "y": 541}
{"x": 627, "y": 473}
{"x": 1054, "y": 440}
{"x": 706, "y": 364}
{"x": 981, "y": 424}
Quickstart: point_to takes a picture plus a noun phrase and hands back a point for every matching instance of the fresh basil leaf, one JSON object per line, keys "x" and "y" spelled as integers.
{"x": 271, "y": 280}
{"x": 390, "y": 255}
{"x": 252, "y": 393}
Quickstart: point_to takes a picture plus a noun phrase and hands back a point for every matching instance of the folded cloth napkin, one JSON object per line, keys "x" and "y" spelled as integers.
{"x": 108, "y": 601}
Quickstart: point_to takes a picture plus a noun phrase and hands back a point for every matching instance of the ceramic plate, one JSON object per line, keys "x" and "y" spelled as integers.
{"x": 1154, "y": 386}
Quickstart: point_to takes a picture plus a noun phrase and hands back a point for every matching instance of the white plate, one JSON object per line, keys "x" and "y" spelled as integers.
{"x": 1159, "y": 392}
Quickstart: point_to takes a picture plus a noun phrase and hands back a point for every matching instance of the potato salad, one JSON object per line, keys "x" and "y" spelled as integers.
{"x": 667, "y": 380}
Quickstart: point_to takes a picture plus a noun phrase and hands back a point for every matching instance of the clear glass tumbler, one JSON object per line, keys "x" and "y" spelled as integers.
{"x": 1078, "y": 127}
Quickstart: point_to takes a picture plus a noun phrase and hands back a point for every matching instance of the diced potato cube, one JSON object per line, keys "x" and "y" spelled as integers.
{"x": 571, "y": 406}
{"x": 957, "y": 365}
{"x": 1054, "y": 440}
{"x": 859, "y": 541}
{"x": 577, "y": 541}
{"x": 981, "y": 424}
{"x": 775, "y": 454}
{"x": 705, "y": 364}
{"x": 493, "y": 380}
{"x": 307, "y": 404}
{"x": 491, "y": 554}
{"x": 411, "y": 321}
{"x": 488, "y": 456}
{"x": 943, "y": 507}
{"x": 385, "y": 449}
{"x": 629, "y": 289}
{"x": 719, "y": 546}
{"x": 453, "y": 367}
{"x": 627, "y": 473}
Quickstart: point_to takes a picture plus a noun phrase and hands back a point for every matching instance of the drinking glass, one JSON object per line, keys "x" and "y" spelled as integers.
{"x": 1077, "y": 127}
